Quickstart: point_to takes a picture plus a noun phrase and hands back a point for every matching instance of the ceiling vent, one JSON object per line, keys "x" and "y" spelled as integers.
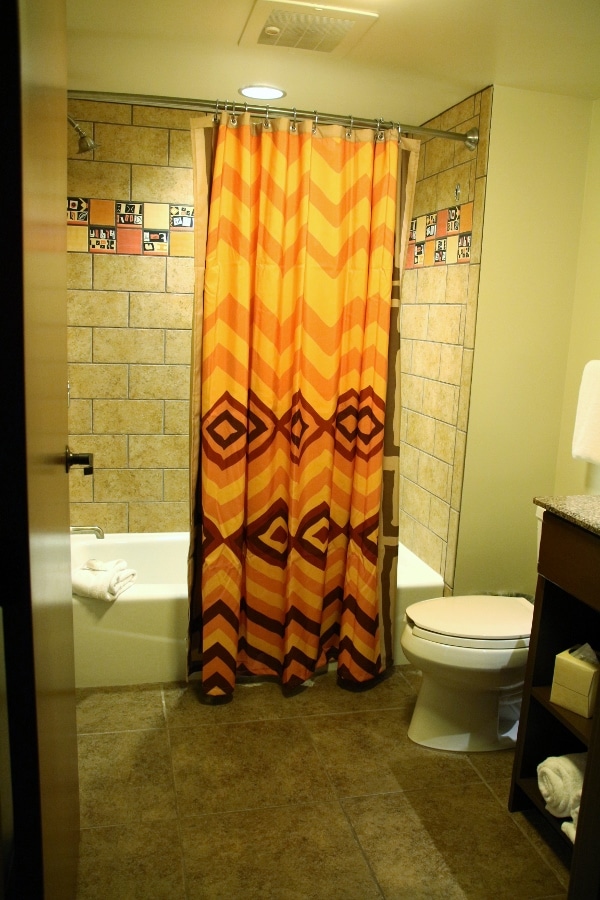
{"x": 305, "y": 26}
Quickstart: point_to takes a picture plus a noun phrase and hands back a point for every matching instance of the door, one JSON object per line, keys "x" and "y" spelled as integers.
{"x": 41, "y": 842}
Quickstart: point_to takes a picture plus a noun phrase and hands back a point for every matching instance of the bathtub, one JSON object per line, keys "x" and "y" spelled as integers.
{"x": 141, "y": 638}
{"x": 415, "y": 581}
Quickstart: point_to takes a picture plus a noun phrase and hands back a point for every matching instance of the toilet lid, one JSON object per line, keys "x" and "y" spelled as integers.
{"x": 479, "y": 617}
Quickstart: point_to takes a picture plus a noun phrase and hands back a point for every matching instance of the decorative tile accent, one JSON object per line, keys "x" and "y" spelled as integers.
{"x": 130, "y": 228}
{"x": 441, "y": 238}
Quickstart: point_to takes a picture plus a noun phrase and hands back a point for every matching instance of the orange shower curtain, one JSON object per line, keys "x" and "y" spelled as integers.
{"x": 293, "y": 291}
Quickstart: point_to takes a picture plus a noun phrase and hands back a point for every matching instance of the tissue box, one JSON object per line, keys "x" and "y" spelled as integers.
{"x": 575, "y": 683}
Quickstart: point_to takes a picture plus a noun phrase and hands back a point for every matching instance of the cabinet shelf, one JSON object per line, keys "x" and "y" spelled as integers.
{"x": 580, "y": 727}
{"x": 530, "y": 787}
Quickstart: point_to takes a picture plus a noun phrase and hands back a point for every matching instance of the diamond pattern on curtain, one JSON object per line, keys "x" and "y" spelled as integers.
{"x": 296, "y": 289}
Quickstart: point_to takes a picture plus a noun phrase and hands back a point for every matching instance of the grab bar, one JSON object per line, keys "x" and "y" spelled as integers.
{"x": 88, "y": 529}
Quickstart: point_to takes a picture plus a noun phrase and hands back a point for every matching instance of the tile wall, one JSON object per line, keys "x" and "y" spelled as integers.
{"x": 438, "y": 317}
{"x": 130, "y": 291}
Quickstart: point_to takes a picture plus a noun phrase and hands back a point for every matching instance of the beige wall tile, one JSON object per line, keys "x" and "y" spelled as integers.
{"x": 158, "y": 310}
{"x": 80, "y": 416}
{"x": 98, "y": 308}
{"x": 128, "y": 416}
{"x": 79, "y": 344}
{"x": 111, "y": 517}
{"x": 165, "y": 516}
{"x": 132, "y": 345}
{"x": 180, "y": 148}
{"x": 408, "y": 292}
{"x": 444, "y": 441}
{"x": 478, "y": 207}
{"x": 415, "y": 501}
{"x": 128, "y": 484}
{"x": 406, "y": 349}
{"x": 180, "y": 275}
{"x": 420, "y": 431}
{"x": 428, "y": 547}
{"x": 177, "y": 485}
{"x": 439, "y": 155}
{"x": 99, "y": 111}
{"x": 128, "y": 143}
{"x": 412, "y": 392}
{"x": 94, "y": 380}
{"x": 434, "y": 476}
{"x": 431, "y": 285}
{"x": 409, "y": 461}
{"x": 426, "y": 359}
{"x": 446, "y": 185}
{"x": 471, "y": 320}
{"x": 413, "y": 321}
{"x": 128, "y": 273}
{"x": 86, "y": 178}
{"x": 485, "y": 116}
{"x": 451, "y": 551}
{"x": 425, "y": 196}
{"x": 440, "y": 401}
{"x": 110, "y": 451}
{"x": 156, "y": 451}
{"x": 439, "y": 516}
{"x": 443, "y": 324}
{"x": 81, "y": 487}
{"x": 79, "y": 271}
{"x": 162, "y": 184}
{"x": 159, "y": 382}
{"x": 450, "y": 363}
{"x": 465, "y": 390}
{"x": 163, "y": 116}
{"x": 457, "y": 284}
{"x": 459, "y": 468}
{"x": 462, "y": 154}
{"x": 178, "y": 347}
{"x": 458, "y": 114}
{"x": 177, "y": 416}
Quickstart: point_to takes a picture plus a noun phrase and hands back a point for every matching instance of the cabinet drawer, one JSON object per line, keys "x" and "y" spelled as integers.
{"x": 570, "y": 558}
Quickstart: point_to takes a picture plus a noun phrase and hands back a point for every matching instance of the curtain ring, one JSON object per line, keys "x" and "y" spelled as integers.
{"x": 293, "y": 126}
{"x": 266, "y": 123}
{"x": 380, "y": 135}
{"x": 216, "y": 112}
{"x": 315, "y": 123}
{"x": 233, "y": 117}
{"x": 350, "y": 127}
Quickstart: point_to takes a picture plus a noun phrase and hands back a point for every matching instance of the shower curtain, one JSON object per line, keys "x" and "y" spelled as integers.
{"x": 292, "y": 551}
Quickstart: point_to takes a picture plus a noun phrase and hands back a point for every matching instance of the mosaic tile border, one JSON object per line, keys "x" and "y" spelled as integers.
{"x": 440, "y": 238}
{"x": 129, "y": 227}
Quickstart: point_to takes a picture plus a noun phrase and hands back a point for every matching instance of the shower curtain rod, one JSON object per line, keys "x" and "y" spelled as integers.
{"x": 470, "y": 139}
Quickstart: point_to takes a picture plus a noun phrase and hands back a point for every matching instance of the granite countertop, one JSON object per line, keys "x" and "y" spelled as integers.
{"x": 582, "y": 510}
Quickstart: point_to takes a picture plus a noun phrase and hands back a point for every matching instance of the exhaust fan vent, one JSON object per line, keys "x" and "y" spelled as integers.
{"x": 305, "y": 26}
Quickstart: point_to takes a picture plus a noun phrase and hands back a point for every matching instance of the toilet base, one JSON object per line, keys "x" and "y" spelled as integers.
{"x": 446, "y": 718}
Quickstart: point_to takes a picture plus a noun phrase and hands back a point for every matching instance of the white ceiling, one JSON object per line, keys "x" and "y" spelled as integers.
{"x": 419, "y": 58}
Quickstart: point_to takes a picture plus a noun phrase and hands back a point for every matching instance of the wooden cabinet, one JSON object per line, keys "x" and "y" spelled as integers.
{"x": 567, "y": 612}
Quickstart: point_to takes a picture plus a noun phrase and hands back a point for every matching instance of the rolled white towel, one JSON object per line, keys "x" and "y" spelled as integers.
{"x": 569, "y": 826}
{"x": 560, "y": 779}
{"x": 102, "y": 580}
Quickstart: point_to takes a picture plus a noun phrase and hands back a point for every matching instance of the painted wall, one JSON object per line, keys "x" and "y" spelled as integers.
{"x": 576, "y": 476}
{"x": 539, "y": 147}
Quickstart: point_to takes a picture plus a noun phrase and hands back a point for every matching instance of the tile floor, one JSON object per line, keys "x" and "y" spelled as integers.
{"x": 311, "y": 797}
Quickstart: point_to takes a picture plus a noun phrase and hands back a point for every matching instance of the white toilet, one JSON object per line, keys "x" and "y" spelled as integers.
{"x": 472, "y": 651}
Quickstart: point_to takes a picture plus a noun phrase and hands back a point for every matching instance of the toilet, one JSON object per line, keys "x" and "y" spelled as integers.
{"x": 472, "y": 651}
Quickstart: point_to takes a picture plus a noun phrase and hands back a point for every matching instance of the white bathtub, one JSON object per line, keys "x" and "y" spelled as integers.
{"x": 416, "y": 581}
{"x": 141, "y": 638}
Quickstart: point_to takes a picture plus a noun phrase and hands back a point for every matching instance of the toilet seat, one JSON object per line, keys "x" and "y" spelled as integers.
{"x": 479, "y": 621}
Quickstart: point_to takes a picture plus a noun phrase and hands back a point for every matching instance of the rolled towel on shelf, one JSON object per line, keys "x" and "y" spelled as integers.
{"x": 560, "y": 779}
{"x": 569, "y": 826}
{"x": 102, "y": 580}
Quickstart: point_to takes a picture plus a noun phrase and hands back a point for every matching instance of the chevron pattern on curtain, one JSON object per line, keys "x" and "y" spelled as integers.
{"x": 296, "y": 317}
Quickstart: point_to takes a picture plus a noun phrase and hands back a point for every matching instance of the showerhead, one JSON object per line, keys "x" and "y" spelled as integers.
{"x": 85, "y": 143}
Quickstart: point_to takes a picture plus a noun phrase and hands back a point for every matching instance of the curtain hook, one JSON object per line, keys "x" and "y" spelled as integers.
{"x": 379, "y": 136}
{"x": 293, "y": 126}
{"x": 216, "y": 112}
{"x": 266, "y": 123}
{"x": 350, "y": 127}
{"x": 233, "y": 117}
{"x": 315, "y": 123}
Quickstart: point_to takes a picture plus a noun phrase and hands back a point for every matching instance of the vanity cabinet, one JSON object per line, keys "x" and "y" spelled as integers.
{"x": 567, "y": 612}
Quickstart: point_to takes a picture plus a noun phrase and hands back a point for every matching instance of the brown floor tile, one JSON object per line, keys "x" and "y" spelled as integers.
{"x": 119, "y": 709}
{"x": 136, "y": 861}
{"x": 493, "y": 765}
{"x": 296, "y": 853}
{"x": 454, "y": 842}
{"x": 370, "y": 753}
{"x": 245, "y": 766}
{"x": 125, "y": 777}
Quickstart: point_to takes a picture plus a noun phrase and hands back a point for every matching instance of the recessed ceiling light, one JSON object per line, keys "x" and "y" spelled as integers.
{"x": 262, "y": 92}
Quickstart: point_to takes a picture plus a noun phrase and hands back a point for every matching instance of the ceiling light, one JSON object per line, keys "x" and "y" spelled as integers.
{"x": 262, "y": 92}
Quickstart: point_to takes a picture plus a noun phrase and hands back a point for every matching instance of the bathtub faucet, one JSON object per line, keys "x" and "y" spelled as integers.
{"x": 88, "y": 529}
